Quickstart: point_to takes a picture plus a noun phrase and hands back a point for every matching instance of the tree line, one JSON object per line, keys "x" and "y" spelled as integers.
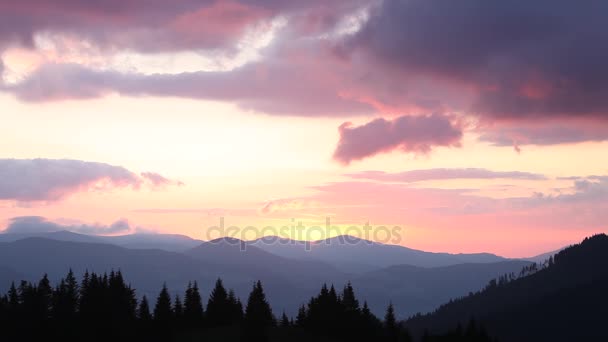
{"x": 103, "y": 307}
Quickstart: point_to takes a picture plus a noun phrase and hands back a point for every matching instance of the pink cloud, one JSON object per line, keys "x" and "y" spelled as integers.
{"x": 417, "y": 134}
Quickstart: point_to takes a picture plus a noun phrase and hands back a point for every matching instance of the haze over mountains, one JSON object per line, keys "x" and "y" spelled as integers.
{"x": 415, "y": 281}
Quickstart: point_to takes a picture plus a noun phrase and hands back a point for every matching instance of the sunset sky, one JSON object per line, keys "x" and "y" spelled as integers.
{"x": 472, "y": 125}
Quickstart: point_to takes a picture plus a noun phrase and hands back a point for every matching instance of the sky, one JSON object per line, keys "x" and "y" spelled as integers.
{"x": 467, "y": 126}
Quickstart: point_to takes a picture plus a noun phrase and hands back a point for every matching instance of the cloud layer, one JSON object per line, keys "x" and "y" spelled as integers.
{"x": 527, "y": 73}
{"x": 54, "y": 179}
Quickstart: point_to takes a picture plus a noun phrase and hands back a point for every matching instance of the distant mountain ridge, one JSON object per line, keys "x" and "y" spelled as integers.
{"x": 357, "y": 255}
{"x": 349, "y": 253}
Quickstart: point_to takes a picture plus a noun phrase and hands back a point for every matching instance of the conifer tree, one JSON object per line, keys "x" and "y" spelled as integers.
{"x": 162, "y": 309}
{"x": 193, "y": 306}
{"x": 301, "y": 317}
{"x": 143, "y": 312}
{"x": 178, "y": 309}
{"x": 44, "y": 297}
{"x": 284, "y": 320}
{"x": 258, "y": 310}
{"x": 258, "y": 315}
{"x": 13, "y": 299}
{"x": 66, "y": 297}
{"x": 390, "y": 324}
{"x": 236, "y": 308}
{"x": 349, "y": 300}
{"x": 218, "y": 306}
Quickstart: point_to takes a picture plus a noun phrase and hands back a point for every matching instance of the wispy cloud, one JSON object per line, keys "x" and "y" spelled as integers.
{"x": 444, "y": 174}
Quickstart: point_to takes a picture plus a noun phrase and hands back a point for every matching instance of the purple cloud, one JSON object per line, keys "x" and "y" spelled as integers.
{"x": 541, "y": 59}
{"x": 268, "y": 88}
{"x": 54, "y": 179}
{"x": 155, "y": 25}
{"x": 417, "y": 134}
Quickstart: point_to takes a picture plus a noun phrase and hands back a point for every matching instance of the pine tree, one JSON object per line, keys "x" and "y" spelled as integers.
{"x": 13, "y": 300}
{"x": 258, "y": 309}
{"x": 236, "y": 308}
{"x": 178, "y": 309}
{"x": 218, "y": 306}
{"x": 349, "y": 300}
{"x": 371, "y": 325}
{"x": 193, "y": 306}
{"x": 44, "y": 297}
{"x": 284, "y": 320}
{"x": 162, "y": 310}
{"x": 69, "y": 297}
{"x": 390, "y": 324}
{"x": 258, "y": 315}
{"x": 301, "y": 317}
{"x": 143, "y": 312}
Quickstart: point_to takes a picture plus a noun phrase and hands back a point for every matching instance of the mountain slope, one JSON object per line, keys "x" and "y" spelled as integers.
{"x": 418, "y": 289}
{"x": 243, "y": 258}
{"x": 564, "y": 302}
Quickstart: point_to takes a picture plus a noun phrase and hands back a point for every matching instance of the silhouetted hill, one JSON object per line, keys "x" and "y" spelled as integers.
{"x": 352, "y": 254}
{"x": 567, "y": 301}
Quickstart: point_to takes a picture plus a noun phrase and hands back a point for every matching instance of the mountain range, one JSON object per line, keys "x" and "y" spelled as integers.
{"x": 415, "y": 281}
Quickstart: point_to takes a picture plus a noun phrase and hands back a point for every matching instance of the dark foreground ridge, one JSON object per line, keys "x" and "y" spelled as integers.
{"x": 565, "y": 301}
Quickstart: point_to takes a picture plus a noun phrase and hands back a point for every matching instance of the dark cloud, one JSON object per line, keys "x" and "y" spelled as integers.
{"x": 442, "y": 174}
{"x": 54, "y": 179}
{"x": 527, "y": 60}
{"x": 154, "y": 25}
{"x": 417, "y": 134}
{"x": 37, "y": 224}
